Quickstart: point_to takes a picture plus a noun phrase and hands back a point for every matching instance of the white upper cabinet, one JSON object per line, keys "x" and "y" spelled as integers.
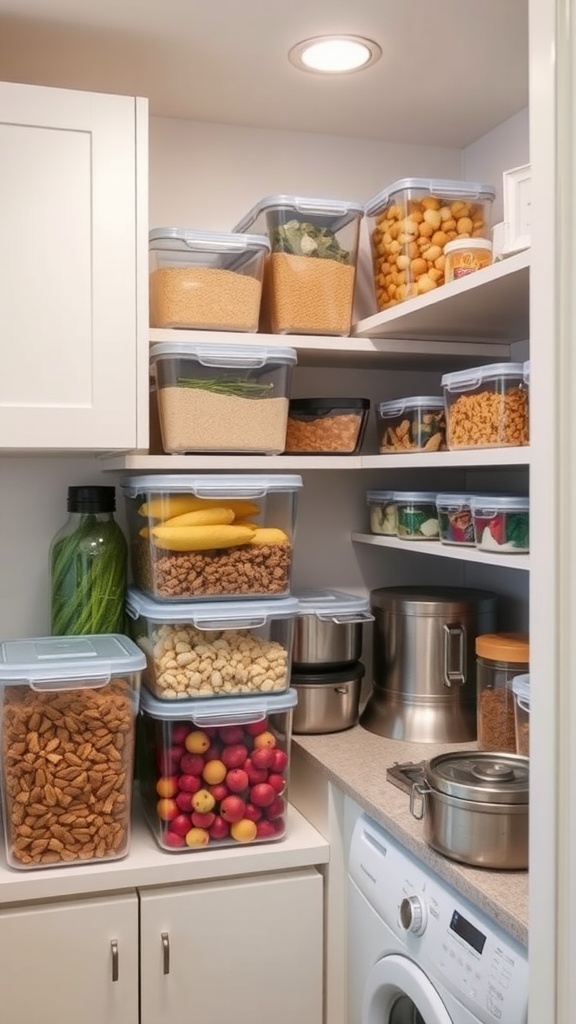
{"x": 73, "y": 182}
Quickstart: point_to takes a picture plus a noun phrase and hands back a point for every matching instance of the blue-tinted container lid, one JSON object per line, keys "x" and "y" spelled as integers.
{"x": 443, "y": 187}
{"x": 376, "y": 497}
{"x": 218, "y": 242}
{"x": 224, "y": 356}
{"x": 499, "y": 503}
{"x": 404, "y": 496}
{"x": 331, "y": 604}
{"x": 397, "y": 406}
{"x": 453, "y": 499}
{"x": 335, "y": 212}
{"x": 214, "y": 712}
{"x": 209, "y": 485}
{"x": 69, "y": 658}
{"x": 211, "y": 614}
{"x": 462, "y": 380}
{"x": 521, "y": 687}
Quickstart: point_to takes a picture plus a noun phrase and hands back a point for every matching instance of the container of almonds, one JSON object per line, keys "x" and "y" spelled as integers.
{"x": 69, "y": 708}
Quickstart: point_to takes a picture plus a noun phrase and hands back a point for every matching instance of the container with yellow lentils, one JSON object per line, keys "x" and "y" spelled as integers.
{"x": 486, "y": 407}
{"x": 206, "y": 280}
{"x": 310, "y": 273}
{"x": 411, "y": 222}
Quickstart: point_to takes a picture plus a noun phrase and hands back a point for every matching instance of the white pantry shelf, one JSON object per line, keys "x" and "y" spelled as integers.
{"x": 487, "y": 307}
{"x": 466, "y": 458}
{"x": 439, "y": 550}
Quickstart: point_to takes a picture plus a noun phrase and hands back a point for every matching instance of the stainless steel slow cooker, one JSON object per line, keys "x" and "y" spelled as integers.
{"x": 474, "y": 807}
{"x": 328, "y": 629}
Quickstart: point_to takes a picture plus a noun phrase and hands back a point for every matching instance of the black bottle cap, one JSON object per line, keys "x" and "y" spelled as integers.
{"x": 91, "y": 499}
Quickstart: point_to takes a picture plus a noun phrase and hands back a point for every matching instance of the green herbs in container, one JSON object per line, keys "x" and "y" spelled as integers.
{"x": 88, "y": 566}
{"x": 417, "y": 515}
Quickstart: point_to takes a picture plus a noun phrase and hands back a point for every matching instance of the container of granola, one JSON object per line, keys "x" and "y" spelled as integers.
{"x": 417, "y": 515}
{"x": 68, "y": 711}
{"x": 326, "y": 426}
{"x": 213, "y": 648}
{"x": 310, "y": 273}
{"x": 486, "y": 407}
{"x": 415, "y": 424}
{"x": 202, "y": 536}
{"x": 205, "y": 279}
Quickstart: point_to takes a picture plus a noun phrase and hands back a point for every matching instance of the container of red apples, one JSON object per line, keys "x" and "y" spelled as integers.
{"x": 214, "y": 775}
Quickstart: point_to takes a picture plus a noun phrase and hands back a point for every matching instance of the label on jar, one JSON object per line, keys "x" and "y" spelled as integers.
{"x": 467, "y": 262}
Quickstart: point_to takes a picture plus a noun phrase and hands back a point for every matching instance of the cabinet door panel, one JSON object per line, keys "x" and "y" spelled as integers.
{"x": 57, "y": 962}
{"x": 68, "y": 269}
{"x": 244, "y": 950}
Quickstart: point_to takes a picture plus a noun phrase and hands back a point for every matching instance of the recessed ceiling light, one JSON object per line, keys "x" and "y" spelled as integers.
{"x": 334, "y": 55}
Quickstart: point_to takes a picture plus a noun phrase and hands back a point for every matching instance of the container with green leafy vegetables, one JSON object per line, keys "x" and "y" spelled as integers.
{"x": 417, "y": 516}
{"x": 88, "y": 566}
{"x": 222, "y": 398}
{"x": 310, "y": 272}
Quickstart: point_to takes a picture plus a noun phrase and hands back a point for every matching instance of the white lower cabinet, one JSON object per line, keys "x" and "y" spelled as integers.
{"x": 70, "y": 962}
{"x": 244, "y": 950}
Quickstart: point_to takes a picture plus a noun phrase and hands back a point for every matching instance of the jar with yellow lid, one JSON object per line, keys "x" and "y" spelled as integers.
{"x": 465, "y": 255}
{"x": 499, "y": 658}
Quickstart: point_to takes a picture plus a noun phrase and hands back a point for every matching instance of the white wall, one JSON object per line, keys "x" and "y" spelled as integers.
{"x": 208, "y": 176}
{"x": 506, "y": 146}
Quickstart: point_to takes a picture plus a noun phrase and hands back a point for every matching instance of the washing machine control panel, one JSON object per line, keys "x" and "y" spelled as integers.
{"x": 452, "y": 941}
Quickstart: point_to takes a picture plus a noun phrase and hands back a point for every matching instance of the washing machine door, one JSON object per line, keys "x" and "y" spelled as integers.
{"x": 398, "y": 992}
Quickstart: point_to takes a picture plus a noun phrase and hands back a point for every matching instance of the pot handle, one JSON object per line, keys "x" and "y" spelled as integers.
{"x": 454, "y": 637}
{"x": 419, "y": 789}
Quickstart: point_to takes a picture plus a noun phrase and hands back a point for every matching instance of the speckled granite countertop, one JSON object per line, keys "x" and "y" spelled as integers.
{"x": 356, "y": 762}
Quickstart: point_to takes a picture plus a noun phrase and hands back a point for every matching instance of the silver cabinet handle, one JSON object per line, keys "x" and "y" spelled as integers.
{"x": 115, "y": 964}
{"x": 166, "y": 952}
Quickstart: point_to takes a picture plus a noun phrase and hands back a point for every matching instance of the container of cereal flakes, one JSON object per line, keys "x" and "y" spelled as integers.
{"x": 411, "y": 222}
{"x": 486, "y": 407}
{"x": 68, "y": 707}
{"x": 310, "y": 273}
{"x": 194, "y": 537}
{"x": 215, "y": 773}
{"x": 213, "y": 649}
{"x": 205, "y": 279}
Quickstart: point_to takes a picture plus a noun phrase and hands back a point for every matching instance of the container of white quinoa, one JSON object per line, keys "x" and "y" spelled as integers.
{"x": 222, "y": 398}
{"x": 213, "y": 649}
{"x": 206, "y": 280}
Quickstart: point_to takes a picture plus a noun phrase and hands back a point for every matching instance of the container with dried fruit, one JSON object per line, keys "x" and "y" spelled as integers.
{"x": 417, "y": 516}
{"x": 486, "y": 407}
{"x": 411, "y": 222}
{"x": 213, "y": 648}
{"x": 415, "y": 424}
{"x": 501, "y": 523}
{"x": 215, "y": 773}
{"x": 455, "y": 519}
{"x": 499, "y": 658}
{"x": 211, "y": 536}
{"x": 310, "y": 274}
{"x": 383, "y": 512}
{"x": 206, "y": 279}
{"x": 327, "y": 426}
{"x": 68, "y": 707}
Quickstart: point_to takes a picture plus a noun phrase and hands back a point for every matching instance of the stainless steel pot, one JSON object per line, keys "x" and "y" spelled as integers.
{"x": 327, "y": 701}
{"x": 328, "y": 629}
{"x": 424, "y": 666}
{"x": 474, "y": 806}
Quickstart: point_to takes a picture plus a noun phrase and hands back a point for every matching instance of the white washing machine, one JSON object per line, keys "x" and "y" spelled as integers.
{"x": 418, "y": 952}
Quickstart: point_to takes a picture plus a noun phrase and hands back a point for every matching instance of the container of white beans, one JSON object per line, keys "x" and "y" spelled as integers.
{"x": 205, "y": 279}
{"x": 213, "y": 649}
{"x": 411, "y": 222}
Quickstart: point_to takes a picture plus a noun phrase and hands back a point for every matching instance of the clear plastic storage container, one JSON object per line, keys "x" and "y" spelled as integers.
{"x": 501, "y": 523}
{"x": 417, "y": 516}
{"x": 310, "y": 272}
{"x": 215, "y": 773}
{"x": 326, "y": 426}
{"x": 486, "y": 407}
{"x": 521, "y": 691}
{"x": 222, "y": 398}
{"x": 499, "y": 658}
{"x": 455, "y": 519}
{"x": 206, "y": 279}
{"x": 68, "y": 706}
{"x": 411, "y": 222}
{"x": 213, "y": 649}
{"x": 383, "y": 512}
{"x": 212, "y": 536}
{"x": 415, "y": 424}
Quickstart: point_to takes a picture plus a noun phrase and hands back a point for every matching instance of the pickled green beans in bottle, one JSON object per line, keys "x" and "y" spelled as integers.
{"x": 88, "y": 566}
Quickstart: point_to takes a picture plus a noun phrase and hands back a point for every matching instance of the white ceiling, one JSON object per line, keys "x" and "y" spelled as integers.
{"x": 450, "y": 70}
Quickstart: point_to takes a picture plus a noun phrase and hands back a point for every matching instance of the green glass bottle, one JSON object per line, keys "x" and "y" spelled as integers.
{"x": 88, "y": 566}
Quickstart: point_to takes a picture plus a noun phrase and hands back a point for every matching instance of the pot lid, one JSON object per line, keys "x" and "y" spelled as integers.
{"x": 435, "y": 601}
{"x": 484, "y": 776}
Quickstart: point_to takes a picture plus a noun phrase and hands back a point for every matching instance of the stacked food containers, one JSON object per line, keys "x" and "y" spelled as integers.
{"x": 212, "y": 611}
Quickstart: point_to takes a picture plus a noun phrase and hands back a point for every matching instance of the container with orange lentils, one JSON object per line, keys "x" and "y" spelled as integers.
{"x": 410, "y": 224}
